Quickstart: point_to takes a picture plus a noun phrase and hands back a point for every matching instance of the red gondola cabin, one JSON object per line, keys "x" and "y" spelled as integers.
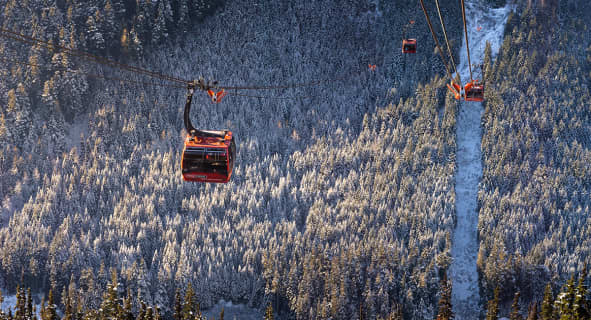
{"x": 474, "y": 91}
{"x": 208, "y": 158}
{"x": 409, "y": 46}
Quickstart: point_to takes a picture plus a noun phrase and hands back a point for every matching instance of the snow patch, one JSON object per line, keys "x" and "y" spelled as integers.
{"x": 232, "y": 311}
{"x": 483, "y": 24}
{"x": 78, "y": 127}
{"x": 10, "y": 303}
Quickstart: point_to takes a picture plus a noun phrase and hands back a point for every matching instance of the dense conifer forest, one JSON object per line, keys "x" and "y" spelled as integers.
{"x": 534, "y": 198}
{"x": 342, "y": 203}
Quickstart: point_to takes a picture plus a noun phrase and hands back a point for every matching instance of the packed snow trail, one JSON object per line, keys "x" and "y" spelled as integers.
{"x": 484, "y": 24}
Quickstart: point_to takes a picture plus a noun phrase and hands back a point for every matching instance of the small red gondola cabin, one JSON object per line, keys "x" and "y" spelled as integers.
{"x": 474, "y": 91}
{"x": 409, "y": 46}
{"x": 208, "y": 156}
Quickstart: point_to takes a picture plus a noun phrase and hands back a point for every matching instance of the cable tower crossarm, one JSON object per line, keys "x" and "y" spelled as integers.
{"x": 34, "y": 41}
{"x": 436, "y": 41}
{"x": 467, "y": 43}
{"x": 451, "y": 56}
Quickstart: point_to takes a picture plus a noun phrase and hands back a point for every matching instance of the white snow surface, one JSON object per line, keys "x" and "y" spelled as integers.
{"x": 232, "y": 311}
{"x": 465, "y": 291}
{"x": 9, "y": 303}
{"x": 79, "y": 126}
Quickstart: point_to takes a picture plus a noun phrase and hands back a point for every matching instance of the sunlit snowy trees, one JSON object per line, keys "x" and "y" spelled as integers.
{"x": 342, "y": 203}
{"x": 534, "y": 194}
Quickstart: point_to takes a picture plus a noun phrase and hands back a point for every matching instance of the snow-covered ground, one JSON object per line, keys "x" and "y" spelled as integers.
{"x": 484, "y": 24}
{"x": 232, "y": 311}
{"x": 79, "y": 127}
{"x": 9, "y": 303}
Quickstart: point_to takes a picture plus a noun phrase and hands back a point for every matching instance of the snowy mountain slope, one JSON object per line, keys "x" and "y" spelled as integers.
{"x": 484, "y": 24}
{"x": 313, "y": 182}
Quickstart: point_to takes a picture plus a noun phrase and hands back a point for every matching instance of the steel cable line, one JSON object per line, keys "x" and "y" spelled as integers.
{"x": 64, "y": 69}
{"x": 111, "y": 63}
{"x": 24, "y": 38}
{"x": 453, "y": 63}
{"x": 49, "y": 46}
{"x": 467, "y": 44}
{"x": 33, "y": 41}
{"x": 266, "y": 97}
{"x": 79, "y": 53}
{"x": 436, "y": 41}
{"x": 290, "y": 86}
{"x": 93, "y": 75}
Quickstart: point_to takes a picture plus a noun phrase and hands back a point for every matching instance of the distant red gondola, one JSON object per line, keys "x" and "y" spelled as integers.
{"x": 409, "y": 46}
{"x": 474, "y": 91}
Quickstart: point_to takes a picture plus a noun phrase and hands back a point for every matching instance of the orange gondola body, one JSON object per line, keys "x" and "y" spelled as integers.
{"x": 409, "y": 45}
{"x": 456, "y": 90}
{"x": 208, "y": 158}
{"x": 474, "y": 91}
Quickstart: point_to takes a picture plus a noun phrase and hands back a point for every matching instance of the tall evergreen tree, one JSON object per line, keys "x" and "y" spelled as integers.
{"x": 565, "y": 300}
{"x": 492, "y": 312}
{"x": 157, "y": 313}
{"x": 1, "y": 300}
{"x": 445, "y": 306}
{"x": 142, "y": 313}
{"x": 43, "y": 309}
{"x": 51, "y": 310}
{"x": 515, "y": 312}
{"x": 21, "y": 301}
{"x": 188, "y": 311}
{"x": 111, "y": 306}
{"x": 29, "y": 307}
{"x": 149, "y": 314}
{"x": 126, "y": 311}
{"x": 183, "y": 16}
{"x": 68, "y": 312}
{"x": 532, "y": 313}
{"x": 178, "y": 307}
{"x": 396, "y": 313}
{"x": 79, "y": 314}
{"x": 269, "y": 312}
{"x": 582, "y": 305}
{"x": 547, "y": 304}
{"x": 109, "y": 25}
